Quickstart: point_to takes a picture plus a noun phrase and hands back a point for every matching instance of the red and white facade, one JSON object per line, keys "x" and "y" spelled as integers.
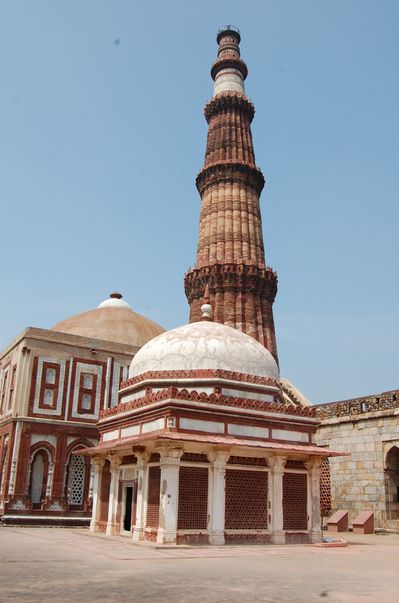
{"x": 53, "y": 385}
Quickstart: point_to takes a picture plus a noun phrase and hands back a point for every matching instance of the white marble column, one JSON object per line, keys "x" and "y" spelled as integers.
{"x": 169, "y": 495}
{"x": 115, "y": 463}
{"x": 217, "y": 495}
{"x": 49, "y": 485}
{"x": 276, "y": 464}
{"x": 313, "y": 467}
{"x": 142, "y": 490}
{"x": 98, "y": 464}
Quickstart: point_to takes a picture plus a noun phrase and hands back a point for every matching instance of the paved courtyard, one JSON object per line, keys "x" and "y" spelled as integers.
{"x": 71, "y": 565}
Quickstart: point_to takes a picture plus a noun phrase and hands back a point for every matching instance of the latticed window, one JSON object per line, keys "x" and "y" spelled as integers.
{"x": 325, "y": 488}
{"x": 76, "y": 480}
{"x": 246, "y": 500}
{"x": 154, "y": 479}
{"x": 295, "y": 500}
{"x": 193, "y": 498}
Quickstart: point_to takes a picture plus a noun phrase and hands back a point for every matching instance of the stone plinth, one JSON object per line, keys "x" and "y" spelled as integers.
{"x": 364, "y": 523}
{"x": 338, "y": 522}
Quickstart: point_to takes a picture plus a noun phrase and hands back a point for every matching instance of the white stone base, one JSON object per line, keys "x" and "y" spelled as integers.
{"x": 278, "y": 537}
{"x": 138, "y": 534}
{"x": 216, "y": 538}
{"x": 315, "y": 536}
{"x": 166, "y": 536}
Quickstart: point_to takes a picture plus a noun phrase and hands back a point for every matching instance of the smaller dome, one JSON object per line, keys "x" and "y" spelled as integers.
{"x": 205, "y": 345}
{"x": 113, "y": 320}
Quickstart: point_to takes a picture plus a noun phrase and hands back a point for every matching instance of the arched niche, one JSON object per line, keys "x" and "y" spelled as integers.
{"x": 392, "y": 482}
{"x": 38, "y": 478}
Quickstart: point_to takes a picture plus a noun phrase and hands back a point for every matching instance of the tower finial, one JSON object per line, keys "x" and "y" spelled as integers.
{"x": 229, "y": 71}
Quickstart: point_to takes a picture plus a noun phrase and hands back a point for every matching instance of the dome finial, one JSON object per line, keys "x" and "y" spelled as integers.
{"x": 116, "y": 295}
{"x": 206, "y": 307}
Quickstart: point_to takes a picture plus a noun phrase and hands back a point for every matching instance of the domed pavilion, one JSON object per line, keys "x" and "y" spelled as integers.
{"x": 203, "y": 446}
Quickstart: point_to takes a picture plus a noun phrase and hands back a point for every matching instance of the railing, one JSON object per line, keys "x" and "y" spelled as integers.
{"x": 229, "y": 28}
{"x": 358, "y": 406}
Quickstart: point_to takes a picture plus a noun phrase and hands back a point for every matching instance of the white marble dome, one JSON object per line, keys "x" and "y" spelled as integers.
{"x": 205, "y": 345}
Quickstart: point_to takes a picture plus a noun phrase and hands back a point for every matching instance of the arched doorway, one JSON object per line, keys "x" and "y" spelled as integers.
{"x": 392, "y": 483}
{"x": 38, "y": 478}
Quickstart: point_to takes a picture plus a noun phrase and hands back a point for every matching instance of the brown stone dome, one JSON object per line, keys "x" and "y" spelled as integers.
{"x": 113, "y": 320}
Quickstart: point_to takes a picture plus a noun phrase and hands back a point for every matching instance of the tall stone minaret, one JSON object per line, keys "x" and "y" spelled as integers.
{"x": 230, "y": 253}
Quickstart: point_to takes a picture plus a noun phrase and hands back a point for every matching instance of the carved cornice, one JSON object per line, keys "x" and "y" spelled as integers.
{"x": 200, "y": 374}
{"x": 231, "y": 277}
{"x": 229, "y": 62}
{"x": 226, "y": 171}
{"x": 357, "y": 407}
{"x": 215, "y": 399}
{"x": 229, "y": 100}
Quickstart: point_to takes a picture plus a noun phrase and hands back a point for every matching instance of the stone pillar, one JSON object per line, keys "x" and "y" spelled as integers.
{"x": 142, "y": 489}
{"x": 50, "y": 473}
{"x": 115, "y": 463}
{"x": 169, "y": 495}
{"x": 314, "y": 518}
{"x": 14, "y": 460}
{"x": 98, "y": 464}
{"x": 91, "y": 482}
{"x": 216, "y": 495}
{"x": 276, "y": 464}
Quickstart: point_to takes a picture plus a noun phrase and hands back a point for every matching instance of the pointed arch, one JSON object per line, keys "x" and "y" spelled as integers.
{"x": 391, "y": 466}
{"x": 38, "y": 479}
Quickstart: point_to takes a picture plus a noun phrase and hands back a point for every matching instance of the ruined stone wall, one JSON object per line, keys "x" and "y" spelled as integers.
{"x": 367, "y": 428}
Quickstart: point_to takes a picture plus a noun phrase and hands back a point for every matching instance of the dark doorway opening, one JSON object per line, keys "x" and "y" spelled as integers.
{"x": 392, "y": 483}
{"x": 127, "y": 520}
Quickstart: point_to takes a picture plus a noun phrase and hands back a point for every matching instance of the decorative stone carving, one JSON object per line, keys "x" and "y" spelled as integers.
{"x": 17, "y": 505}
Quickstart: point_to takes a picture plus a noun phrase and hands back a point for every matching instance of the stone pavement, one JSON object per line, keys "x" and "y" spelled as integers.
{"x": 71, "y": 565}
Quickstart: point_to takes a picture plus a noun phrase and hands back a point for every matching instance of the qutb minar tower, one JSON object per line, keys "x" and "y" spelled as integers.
{"x": 230, "y": 265}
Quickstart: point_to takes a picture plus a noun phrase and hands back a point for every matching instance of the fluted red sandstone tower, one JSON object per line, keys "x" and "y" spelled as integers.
{"x": 230, "y": 252}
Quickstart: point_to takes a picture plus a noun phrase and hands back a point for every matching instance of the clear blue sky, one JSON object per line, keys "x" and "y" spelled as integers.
{"x": 102, "y": 135}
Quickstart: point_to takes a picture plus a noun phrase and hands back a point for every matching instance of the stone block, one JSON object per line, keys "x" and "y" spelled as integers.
{"x": 338, "y": 522}
{"x": 364, "y": 523}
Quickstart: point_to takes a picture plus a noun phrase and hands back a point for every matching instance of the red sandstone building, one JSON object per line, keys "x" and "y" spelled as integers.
{"x": 53, "y": 384}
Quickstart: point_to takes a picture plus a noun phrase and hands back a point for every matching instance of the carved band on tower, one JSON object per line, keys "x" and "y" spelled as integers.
{"x": 230, "y": 253}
